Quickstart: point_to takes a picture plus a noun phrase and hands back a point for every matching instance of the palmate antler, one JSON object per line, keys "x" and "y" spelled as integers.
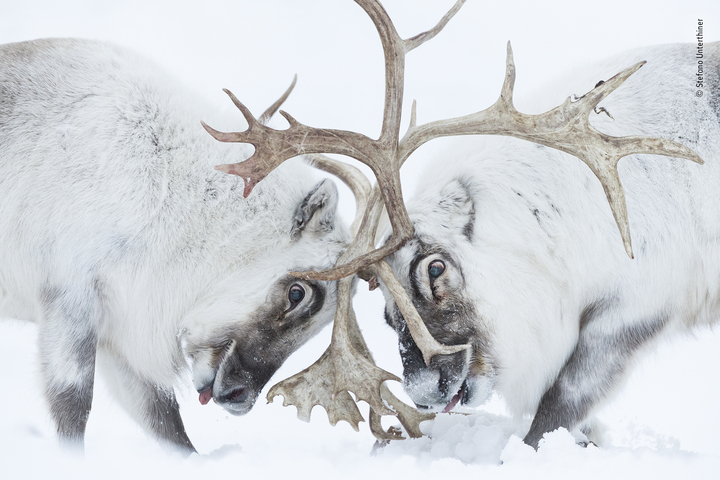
{"x": 565, "y": 128}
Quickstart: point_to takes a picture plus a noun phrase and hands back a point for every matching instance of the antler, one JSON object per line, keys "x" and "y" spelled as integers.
{"x": 565, "y": 128}
{"x": 272, "y": 147}
{"x": 267, "y": 114}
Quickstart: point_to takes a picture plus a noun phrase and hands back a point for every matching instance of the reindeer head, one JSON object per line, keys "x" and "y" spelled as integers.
{"x": 429, "y": 267}
{"x": 252, "y": 320}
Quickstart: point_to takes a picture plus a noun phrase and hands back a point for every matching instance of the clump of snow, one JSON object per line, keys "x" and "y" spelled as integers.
{"x": 471, "y": 438}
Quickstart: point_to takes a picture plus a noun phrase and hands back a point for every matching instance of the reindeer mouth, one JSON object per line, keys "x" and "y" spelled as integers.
{"x": 206, "y": 394}
{"x": 220, "y": 354}
{"x": 462, "y": 397}
{"x": 238, "y": 399}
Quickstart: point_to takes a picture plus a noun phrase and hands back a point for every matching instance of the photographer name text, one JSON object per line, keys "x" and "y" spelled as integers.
{"x": 700, "y": 76}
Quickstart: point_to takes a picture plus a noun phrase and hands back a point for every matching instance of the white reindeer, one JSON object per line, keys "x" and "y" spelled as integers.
{"x": 516, "y": 252}
{"x": 120, "y": 240}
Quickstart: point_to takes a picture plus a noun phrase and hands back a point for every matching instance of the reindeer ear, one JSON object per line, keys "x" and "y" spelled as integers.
{"x": 316, "y": 213}
{"x": 458, "y": 208}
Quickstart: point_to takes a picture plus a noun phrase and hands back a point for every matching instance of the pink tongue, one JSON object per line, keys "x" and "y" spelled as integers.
{"x": 206, "y": 396}
{"x": 453, "y": 402}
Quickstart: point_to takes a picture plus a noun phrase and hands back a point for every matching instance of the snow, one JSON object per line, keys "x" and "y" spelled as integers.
{"x": 661, "y": 425}
{"x": 655, "y": 429}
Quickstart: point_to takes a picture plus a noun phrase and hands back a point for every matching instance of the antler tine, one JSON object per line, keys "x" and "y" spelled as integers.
{"x": 506, "y": 93}
{"x": 267, "y": 114}
{"x": 243, "y": 109}
{"x": 417, "y": 40}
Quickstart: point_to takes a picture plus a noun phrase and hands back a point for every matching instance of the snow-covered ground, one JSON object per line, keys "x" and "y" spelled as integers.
{"x": 662, "y": 425}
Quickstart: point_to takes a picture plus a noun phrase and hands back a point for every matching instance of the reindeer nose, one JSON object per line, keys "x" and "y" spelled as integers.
{"x": 236, "y": 394}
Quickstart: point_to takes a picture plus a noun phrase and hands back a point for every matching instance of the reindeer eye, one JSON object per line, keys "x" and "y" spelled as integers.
{"x": 295, "y": 295}
{"x": 435, "y": 269}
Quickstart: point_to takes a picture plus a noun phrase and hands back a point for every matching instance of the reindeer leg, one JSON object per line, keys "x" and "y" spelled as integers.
{"x": 153, "y": 407}
{"x": 68, "y": 342}
{"x": 599, "y": 360}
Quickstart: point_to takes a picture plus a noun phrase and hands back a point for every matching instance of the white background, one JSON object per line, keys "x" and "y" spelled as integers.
{"x": 668, "y": 408}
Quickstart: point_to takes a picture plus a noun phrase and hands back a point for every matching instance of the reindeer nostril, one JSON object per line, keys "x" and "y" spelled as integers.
{"x": 237, "y": 394}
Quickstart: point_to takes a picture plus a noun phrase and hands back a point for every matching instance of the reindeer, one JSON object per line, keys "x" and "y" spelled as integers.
{"x": 123, "y": 244}
{"x": 515, "y": 254}
{"x": 508, "y": 273}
